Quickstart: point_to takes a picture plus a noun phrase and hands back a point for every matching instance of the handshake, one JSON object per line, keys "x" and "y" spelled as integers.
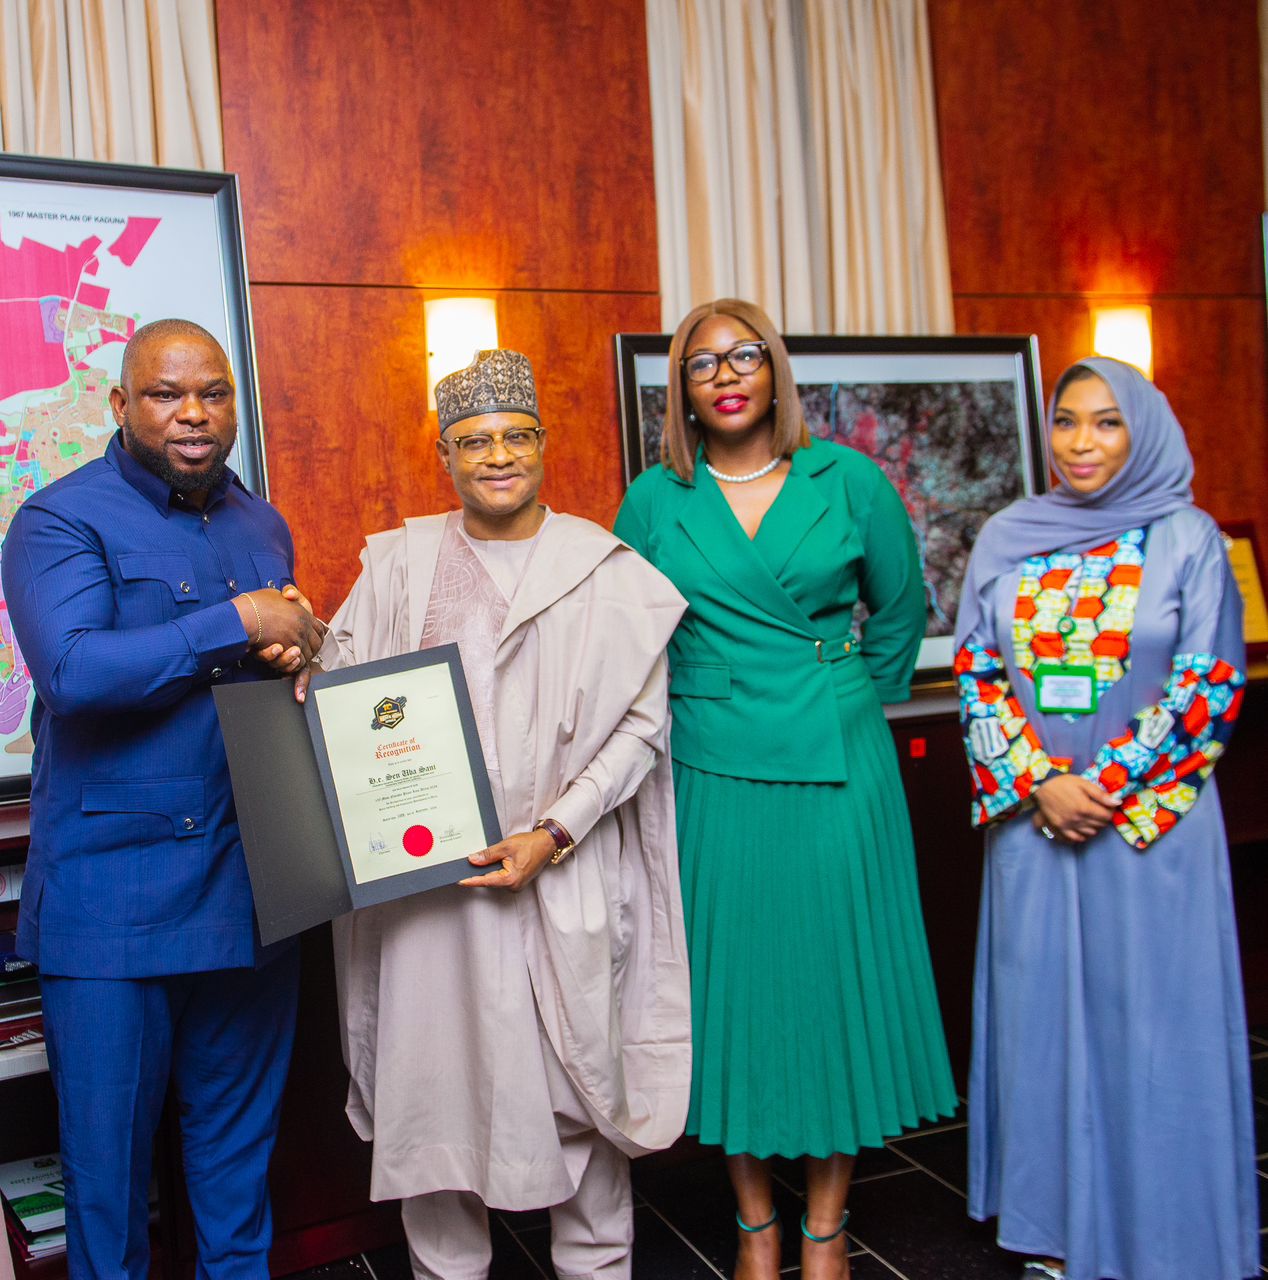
{"x": 283, "y": 632}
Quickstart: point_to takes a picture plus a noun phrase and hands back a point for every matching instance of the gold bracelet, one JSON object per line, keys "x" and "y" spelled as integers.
{"x": 259, "y": 623}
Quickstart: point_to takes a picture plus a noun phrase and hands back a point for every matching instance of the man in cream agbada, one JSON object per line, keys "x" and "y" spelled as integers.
{"x": 513, "y": 1039}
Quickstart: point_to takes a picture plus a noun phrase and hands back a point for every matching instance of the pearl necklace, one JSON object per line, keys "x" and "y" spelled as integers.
{"x": 752, "y": 475}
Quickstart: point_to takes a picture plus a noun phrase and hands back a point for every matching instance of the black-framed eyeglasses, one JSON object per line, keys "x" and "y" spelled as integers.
{"x": 519, "y": 442}
{"x": 703, "y": 366}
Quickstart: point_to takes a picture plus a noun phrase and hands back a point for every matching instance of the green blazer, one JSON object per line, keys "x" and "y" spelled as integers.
{"x": 765, "y": 671}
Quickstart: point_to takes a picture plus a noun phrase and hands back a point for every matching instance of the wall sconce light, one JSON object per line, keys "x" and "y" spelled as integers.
{"x": 1125, "y": 333}
{"x": 456, "y": 329}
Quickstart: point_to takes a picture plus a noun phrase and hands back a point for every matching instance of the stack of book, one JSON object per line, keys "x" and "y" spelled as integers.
{"x": 21, "y": 1020}
{"x": 34, "y": 1205}
{"x": 11, "y": 881}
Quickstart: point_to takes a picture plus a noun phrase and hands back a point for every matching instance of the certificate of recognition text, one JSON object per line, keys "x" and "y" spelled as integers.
{"x": 399, "y": 764}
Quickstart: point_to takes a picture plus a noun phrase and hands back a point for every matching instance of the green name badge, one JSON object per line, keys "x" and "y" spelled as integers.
{"x": 1065, "y": 691}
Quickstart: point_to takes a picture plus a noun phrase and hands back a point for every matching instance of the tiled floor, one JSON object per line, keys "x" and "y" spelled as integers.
{"x": 907, "y": 1215}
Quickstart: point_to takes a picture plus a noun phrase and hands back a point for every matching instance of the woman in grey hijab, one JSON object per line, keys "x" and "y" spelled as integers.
{"x": 1100, "y": 666}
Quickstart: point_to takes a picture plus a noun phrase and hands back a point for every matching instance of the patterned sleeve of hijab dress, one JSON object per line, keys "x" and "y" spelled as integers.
{"x": 1006, "y": 758}
{"x": 1165, "y": 755}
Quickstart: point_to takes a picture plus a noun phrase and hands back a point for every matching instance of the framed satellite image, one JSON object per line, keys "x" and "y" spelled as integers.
{"x": 954, "y": 422}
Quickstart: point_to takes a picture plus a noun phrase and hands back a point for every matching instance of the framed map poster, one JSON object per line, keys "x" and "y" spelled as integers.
{"x": 88, "y": 254}
{"x": 954, "y": 422}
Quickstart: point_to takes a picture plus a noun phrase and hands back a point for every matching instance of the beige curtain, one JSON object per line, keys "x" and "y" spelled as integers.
{"x": 796, "y": 161}
{"x": 131, "y": 81}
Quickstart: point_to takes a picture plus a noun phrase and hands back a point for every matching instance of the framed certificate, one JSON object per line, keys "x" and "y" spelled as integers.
{"x": 375, "y": 788}
{"x": 403, "y": 772}
{"x": 1244, "y": 557}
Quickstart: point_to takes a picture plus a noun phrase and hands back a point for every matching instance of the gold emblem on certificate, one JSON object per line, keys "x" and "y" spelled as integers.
{"x": 388, "y": 713}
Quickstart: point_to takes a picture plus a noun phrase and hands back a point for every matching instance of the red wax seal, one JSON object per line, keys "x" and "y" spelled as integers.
{"x": 418, "y": 842}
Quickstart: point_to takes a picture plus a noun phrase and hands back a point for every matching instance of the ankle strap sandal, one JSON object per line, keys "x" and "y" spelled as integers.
{"x": 770, "y": 1222}
{"x": 845, "y": 1217}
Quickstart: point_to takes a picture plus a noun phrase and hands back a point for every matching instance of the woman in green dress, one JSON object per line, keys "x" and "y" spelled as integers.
{"x": 815, "y": 1020}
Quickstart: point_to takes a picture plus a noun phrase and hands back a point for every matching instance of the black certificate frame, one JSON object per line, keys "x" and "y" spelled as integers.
{"x": 389, "y": 888}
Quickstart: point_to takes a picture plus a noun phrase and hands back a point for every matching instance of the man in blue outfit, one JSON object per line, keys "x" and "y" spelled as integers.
{"x": 135, "y": 585}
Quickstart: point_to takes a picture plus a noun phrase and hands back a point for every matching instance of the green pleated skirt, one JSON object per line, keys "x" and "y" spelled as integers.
{"x": 815, "y": 1023}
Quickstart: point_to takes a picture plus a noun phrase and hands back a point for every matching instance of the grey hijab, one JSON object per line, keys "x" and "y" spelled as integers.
{"x": 1155, "y": 480}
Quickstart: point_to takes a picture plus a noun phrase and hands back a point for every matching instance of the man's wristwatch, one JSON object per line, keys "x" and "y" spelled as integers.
{"x": 564, "y": 843}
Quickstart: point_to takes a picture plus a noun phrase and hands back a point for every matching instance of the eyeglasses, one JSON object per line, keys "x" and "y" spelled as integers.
{"x": 519, "y": 442}
{"x": 703, "y": 366}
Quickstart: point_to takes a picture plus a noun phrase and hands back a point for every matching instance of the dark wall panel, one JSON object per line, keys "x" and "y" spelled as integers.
{"x": 569, "y": 339}
{"x": 1214, "y": 375}
{"x": 350, "y": 448}
{"x": 1099, "y": 148}
{"x": 502, "y": 144}
{"x": 1096, "y": 153}
{"x": 397, "y": 150}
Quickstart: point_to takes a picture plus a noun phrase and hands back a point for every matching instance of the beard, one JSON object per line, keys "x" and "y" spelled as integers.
{"x": 157, "y": 461}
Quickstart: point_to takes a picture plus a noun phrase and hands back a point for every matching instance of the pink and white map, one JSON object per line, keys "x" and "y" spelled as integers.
{"x": 81, "y": 267}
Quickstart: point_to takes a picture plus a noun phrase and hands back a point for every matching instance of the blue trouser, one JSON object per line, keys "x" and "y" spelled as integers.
{"x": 223, "y": 1038}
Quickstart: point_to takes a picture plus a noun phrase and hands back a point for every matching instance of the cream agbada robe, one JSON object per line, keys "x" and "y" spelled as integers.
{"x": 444, "y": 1077}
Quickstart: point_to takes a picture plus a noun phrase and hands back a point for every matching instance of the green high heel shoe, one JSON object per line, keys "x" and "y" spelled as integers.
{"x": 772, "y": 1221}
{"x": 845, "y": 1217}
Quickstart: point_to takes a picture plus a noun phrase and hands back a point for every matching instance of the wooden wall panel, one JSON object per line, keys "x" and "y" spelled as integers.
{"x": 344, "y": 390}
{"x": 1095, "y": 152}
{"x": 1099, "y": 148}
{"x": 1062, "y": 325}
{"x": 495, "y": 145}
{"x": 1212, "y": 362}
{"x": 350, "y": 445}
{"x": 569, "y": 339}
{"x": 322, "y": 126}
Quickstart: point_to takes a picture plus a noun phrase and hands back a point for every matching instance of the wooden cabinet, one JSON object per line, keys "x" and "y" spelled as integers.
{"x": 27, "y": 1102}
